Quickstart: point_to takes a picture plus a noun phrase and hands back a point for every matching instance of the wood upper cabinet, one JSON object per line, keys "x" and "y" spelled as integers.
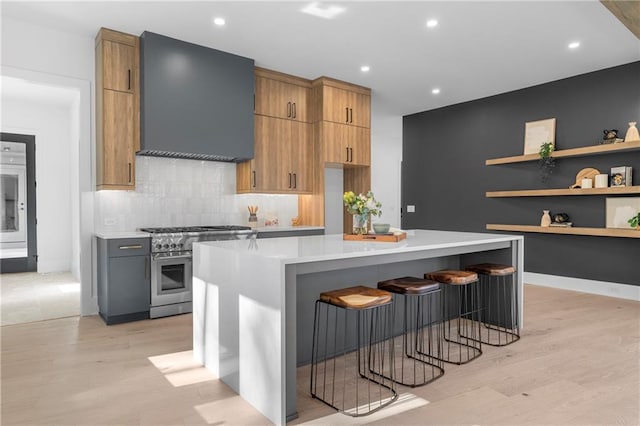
{"x": 343, "y": 144}
{"x": 117, "y": 109}
{"x": 344, "y": 106}
{"x": 281, "y": 163}
{"x": 119, "y": 65}
{"x": 282, "y": 96}
{"x": 299, "y": 157}
{"x": 118, "y": 134}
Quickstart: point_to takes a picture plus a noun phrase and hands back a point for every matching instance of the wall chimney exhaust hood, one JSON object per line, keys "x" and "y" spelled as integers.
{"x": 195, "y": 102}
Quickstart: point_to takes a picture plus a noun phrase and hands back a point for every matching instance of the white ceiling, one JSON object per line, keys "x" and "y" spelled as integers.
{"x": 478, "y": 49}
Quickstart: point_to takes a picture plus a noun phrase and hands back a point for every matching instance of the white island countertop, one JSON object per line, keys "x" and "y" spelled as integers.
{"x": 317, "y": 248}
{"x": 253, "y": 299}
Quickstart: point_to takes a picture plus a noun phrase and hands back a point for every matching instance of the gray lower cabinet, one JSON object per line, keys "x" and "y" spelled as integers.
{"x": 124, "y": 279}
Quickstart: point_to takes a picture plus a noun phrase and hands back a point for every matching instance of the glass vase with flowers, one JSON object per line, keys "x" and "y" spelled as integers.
{"x": 362, "y": 207}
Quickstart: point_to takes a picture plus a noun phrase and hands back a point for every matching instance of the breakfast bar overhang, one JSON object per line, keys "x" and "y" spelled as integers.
{"x": 253, "y": 299}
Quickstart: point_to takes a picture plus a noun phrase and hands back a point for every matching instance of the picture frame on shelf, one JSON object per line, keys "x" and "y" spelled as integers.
{"x": 538, "y": 132}
{"x": 620, "y": 209}
{"x": 621, "y": 176}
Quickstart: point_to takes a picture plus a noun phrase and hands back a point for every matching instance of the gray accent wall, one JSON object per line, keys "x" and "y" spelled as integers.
{"x": 444, "y": 175}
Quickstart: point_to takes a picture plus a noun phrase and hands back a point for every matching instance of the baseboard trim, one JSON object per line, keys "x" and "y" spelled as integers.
{"x": 602, "y": 288}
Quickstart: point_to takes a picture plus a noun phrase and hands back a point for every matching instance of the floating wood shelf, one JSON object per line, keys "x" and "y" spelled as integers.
{"x": 616, "y": 190}
{"x": 572, "y": 152}
{"x": 597, "y": 232}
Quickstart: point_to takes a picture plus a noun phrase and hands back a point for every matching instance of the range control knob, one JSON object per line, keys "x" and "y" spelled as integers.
{"x": 180, "y": 245}
{"x": 173, "y": 246}
{"x": 166, "y": 246}
{"x": 158, "y": 246}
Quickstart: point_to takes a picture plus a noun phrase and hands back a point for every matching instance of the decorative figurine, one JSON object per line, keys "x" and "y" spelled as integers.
{"x": 610, "y": 136}
{"x": 560, "y": 218}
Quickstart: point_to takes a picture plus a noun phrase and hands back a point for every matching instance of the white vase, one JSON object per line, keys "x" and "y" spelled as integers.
{"x": 632, "y": 133}
{"x": 546, "y": 219}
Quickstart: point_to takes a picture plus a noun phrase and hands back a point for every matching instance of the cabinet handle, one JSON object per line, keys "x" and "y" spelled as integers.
{"x": 347, "y": 154}
{"x": 129, "y": 172}
{"x": 288, "y": 109}
{"x": 254, "y": 178}
{"x": 289, "y": 180}
{"x": 347, "y": 110}
{"x": 294, "y": 110}
{"x": 295, "y": 181}
{"x": 134, "y": 247}
{"x": 350, "y": 115}
{"x": 351, "y": 154}
{"x": 146, "y": 267}
{"x": 129, "y": 79}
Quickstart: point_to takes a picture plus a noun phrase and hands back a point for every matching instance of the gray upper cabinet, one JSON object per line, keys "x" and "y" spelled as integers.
{"x": 196, "y": 102}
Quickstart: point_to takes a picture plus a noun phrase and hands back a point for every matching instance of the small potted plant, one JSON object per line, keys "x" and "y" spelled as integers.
{"x": 634, "y": 222}
{"x": 547, "y": 162}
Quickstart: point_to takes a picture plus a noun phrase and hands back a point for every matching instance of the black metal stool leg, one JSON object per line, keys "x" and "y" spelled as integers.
{"x": 345, "y": 390}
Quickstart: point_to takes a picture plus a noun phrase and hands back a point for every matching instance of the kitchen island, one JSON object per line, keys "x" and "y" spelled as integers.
{"x": 253, "y": 299}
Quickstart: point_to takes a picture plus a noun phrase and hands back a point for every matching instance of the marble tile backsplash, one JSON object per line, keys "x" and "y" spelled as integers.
{"x": 177, "y": 192}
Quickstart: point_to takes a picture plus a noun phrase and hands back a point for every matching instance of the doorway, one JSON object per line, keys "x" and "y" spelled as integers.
{"x": 18, "y": 239}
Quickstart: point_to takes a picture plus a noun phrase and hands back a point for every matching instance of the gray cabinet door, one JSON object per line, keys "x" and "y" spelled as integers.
{"x": 129, "y": 285}
{"x": 124, "y": 279}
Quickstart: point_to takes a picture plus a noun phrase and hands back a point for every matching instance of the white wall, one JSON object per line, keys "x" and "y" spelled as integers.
{"x": 51, "y": 124}
{"x": 386, "y": 161}
{"x": 53, "y": 57}
{"x": 36, "y": 48}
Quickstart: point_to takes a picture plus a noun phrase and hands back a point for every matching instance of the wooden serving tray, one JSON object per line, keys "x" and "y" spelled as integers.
{"x": 384, "y": 238}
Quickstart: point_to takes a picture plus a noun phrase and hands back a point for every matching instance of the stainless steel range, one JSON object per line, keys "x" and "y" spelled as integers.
{"x": 171, "y": 268}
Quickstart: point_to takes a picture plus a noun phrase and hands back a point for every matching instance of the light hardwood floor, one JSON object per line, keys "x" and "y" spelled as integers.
{"x": 578, "y": 363}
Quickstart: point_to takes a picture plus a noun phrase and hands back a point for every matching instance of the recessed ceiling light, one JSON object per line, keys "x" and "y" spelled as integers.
{"x": 435, "y": 91}
{"x": 365, "y": 68}
{"x": 432, "y": 23}
{"x": 219, "y": 21}
{"x": 326, "y": 12}
{"x": 574, "y": 45}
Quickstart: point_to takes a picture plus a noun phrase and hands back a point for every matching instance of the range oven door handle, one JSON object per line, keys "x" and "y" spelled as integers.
{"x": 162, "y": 256}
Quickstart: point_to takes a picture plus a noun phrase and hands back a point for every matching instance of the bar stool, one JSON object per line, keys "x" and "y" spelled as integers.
{"x": 352, "y": 340}
{"x": 499, "y": 296}
{"x": 460, "y": 315}
{"x": 421, "y": 349}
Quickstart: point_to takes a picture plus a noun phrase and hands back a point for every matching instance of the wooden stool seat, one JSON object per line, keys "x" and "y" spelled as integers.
{"x": 358, "y": 297}
{"x": 491, "y": 269}
{"x": 446, "y": 276}
{"x": 409, "y": 285}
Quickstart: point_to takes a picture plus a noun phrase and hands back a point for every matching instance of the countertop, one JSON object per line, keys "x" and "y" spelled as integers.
{"x": 138, "y": 234}
{"x": 315, "y": 248}
{"x": 125, "y": 234}
{"x": 288, "y": 228}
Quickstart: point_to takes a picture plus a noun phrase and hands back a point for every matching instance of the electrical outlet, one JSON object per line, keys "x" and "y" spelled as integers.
{"x": 110, "y": 221}
{"x": 411, "y": 209}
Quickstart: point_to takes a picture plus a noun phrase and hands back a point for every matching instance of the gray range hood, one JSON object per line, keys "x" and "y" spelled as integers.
{"x": 195, "y": 102}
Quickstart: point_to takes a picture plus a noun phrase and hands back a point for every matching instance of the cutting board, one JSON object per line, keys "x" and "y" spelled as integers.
{"x": 386, "y": 238}
{"x": 588, "y": 173}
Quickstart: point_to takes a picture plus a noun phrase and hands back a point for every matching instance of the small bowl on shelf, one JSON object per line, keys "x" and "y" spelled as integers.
{"x": 381, "y": 228}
